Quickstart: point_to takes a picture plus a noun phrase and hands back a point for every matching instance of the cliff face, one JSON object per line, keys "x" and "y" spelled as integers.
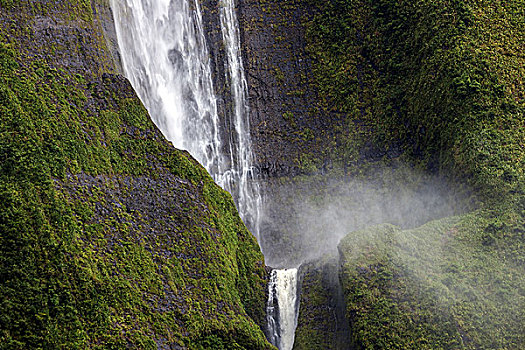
{"x": 344, "y": 95}
{"x": 290, "y": 134}
{"x": 110, "y": 237}
{"x": 336, "y": 86}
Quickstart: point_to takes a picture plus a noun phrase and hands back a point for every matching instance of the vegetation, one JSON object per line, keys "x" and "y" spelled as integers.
{"x": 438, "y": 82}
{"x": 437, "y": 85}
{"x": 322, "y": 324}
{"x": 109, "y": 237}
{"x": 441, "y": 286}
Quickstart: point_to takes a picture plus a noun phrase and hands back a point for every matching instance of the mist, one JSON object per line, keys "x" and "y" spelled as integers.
{"x": 306, "y": 218}
{"x": 431, "y": 252}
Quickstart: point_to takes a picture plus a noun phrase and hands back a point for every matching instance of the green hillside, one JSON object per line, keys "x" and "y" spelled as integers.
{"x": 441, "y": 286}
{"x": 110, "y": 237}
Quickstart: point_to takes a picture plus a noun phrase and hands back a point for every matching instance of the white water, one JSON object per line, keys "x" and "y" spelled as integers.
{"x": 281, "y": 311}
{"x": 165, "y": 56}
{"x": 239, "y": 179}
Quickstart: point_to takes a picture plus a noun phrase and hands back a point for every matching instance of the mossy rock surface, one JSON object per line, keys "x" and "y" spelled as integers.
{"x": 346, "y": 87}
{"x": 342, "y": 88}
{"x": 435, "y": 84}
{"x": 321, "y": 320}
{"x": 444, "y": 285}
{"x": 110, "y": 237}
{"x": 338, "y": 86}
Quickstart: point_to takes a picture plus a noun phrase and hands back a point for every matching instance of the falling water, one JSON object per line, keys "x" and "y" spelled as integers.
{"x": 166, "y": 58}
{"x": 281, "y": 311}
{"x": 239, "y": 179}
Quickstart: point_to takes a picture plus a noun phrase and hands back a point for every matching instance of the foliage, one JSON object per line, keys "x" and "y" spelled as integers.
{"x": 442, "y": 81}
{"x": 321, "y": 322}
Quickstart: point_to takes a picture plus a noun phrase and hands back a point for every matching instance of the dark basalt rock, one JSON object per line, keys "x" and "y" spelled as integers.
{"x": 322, "y": 323}
{"x": 281, "y": 99}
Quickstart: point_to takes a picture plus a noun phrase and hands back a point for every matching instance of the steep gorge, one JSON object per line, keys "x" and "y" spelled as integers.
{"x": 361, "y": 113}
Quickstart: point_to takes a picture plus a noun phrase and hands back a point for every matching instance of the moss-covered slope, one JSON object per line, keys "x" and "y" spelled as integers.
{"x": 109, "y": 237}
{"x": 444, "y": 285}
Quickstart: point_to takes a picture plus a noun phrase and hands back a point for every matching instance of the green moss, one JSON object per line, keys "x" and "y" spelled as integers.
{"x": 441, "y": 82}
{"x": 438, "y": 85}
{"x": 321, "y": 323}
{"x": 111, "y": 238}
{"x": 436, "y": 287}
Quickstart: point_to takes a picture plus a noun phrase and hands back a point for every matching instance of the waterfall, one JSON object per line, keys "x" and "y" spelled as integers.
{"x": 165, "y": 56}
{"x": 281, "y": 310}
{"x": 239, "y": 179}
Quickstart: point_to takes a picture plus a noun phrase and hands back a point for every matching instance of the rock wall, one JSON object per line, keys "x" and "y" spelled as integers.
{"x": 290, "y": 133}
{"x": 322, "y": 323}
{"x": 111, "y": 238}
{"x": 339, "y": 87}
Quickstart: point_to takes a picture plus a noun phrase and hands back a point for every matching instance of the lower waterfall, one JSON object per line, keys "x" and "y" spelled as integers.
{"x": 282, "y": 307}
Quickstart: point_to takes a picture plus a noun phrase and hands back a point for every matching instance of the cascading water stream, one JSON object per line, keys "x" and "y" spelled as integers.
{"x": 281, "y": 311}
{"x": 165, "y": 56}
{"x": 239, "y": 179}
